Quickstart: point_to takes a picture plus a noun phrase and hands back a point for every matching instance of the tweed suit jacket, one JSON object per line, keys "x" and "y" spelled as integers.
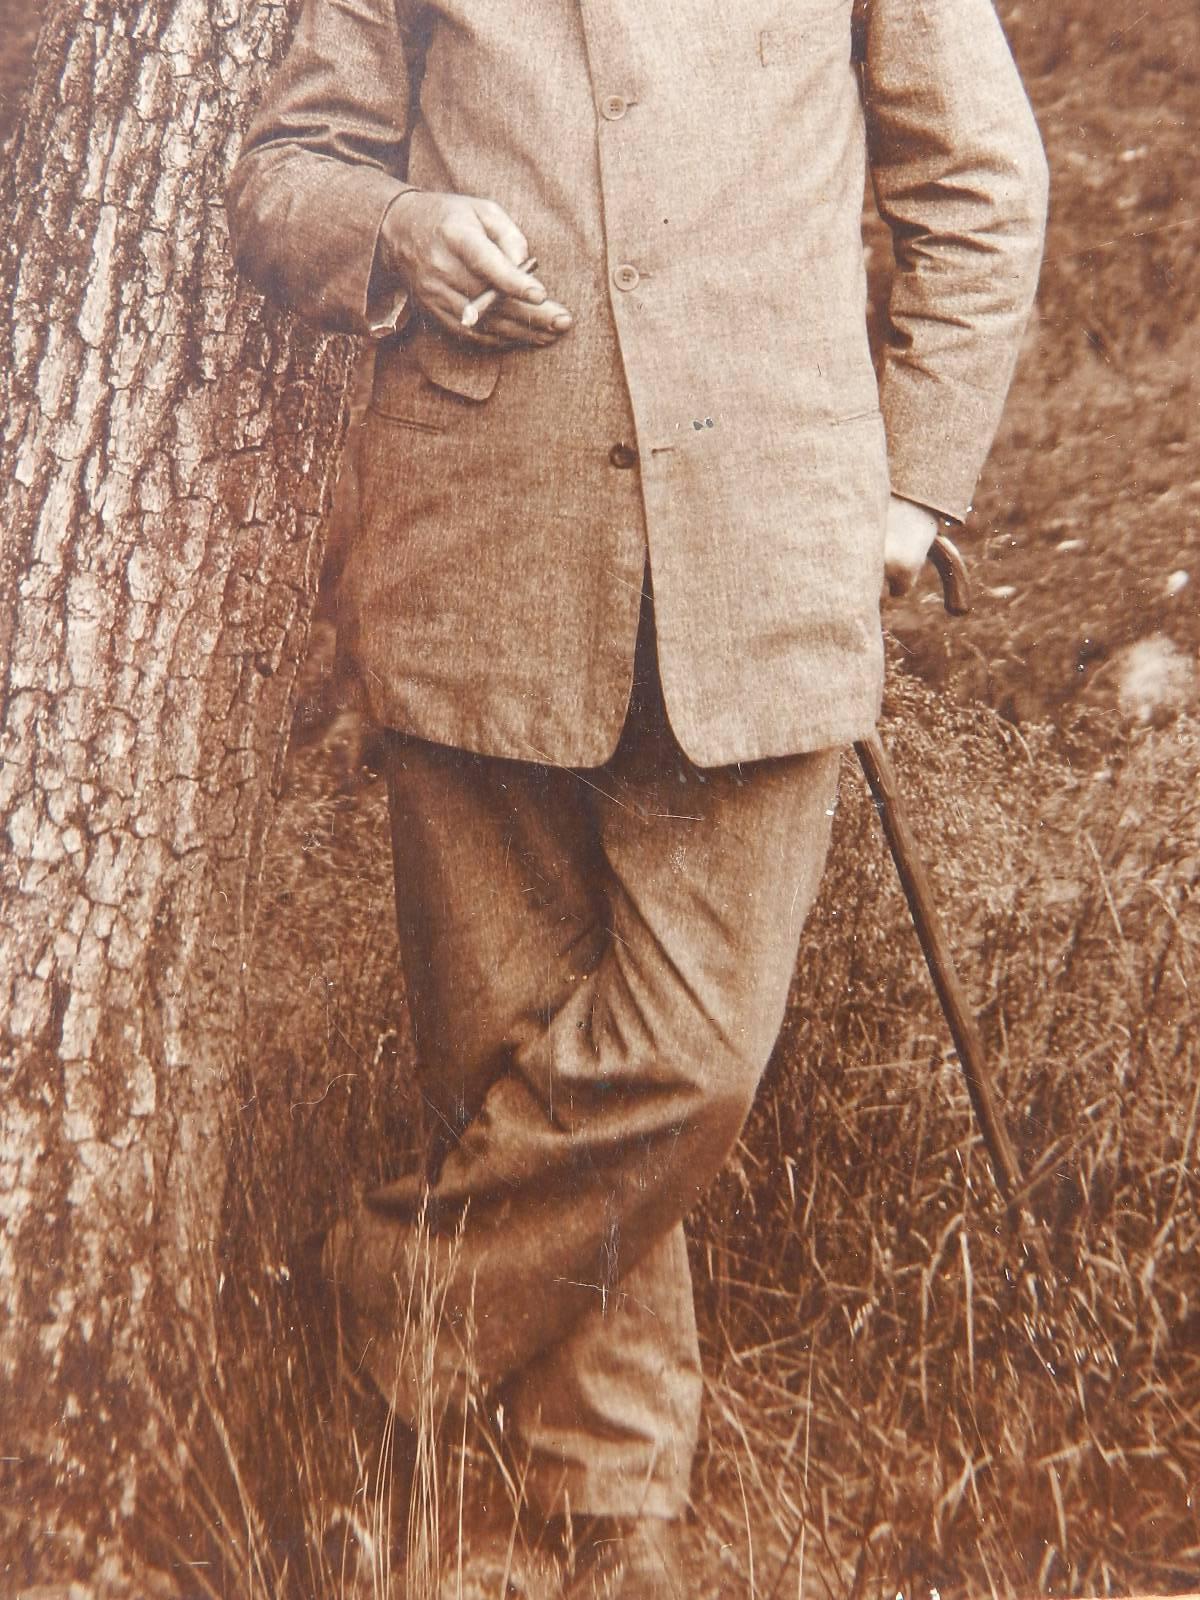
{"x": 689, "y": 174}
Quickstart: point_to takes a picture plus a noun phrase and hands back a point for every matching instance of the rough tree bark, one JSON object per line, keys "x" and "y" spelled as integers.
{"x": 165, "y": 461}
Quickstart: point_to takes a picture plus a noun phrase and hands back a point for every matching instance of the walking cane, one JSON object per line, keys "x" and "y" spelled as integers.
{"x": 914, "y": 879}
{"x": 877, "y": 768}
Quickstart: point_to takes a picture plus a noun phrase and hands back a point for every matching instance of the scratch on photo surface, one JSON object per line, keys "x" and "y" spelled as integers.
{"x": 636, "y": 587}
{"x": 441, "y": 1116}
{"x": 299, "y": 1105}
{"x": 1123, "y": 33}
{"x": 1123, "y": 238}
{"x": 621, "y": 1297}
{"x": 575, "y": 1283}
{"x": 587, "y": 782}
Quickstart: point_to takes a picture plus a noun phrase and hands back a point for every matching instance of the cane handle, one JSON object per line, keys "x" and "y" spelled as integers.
{"x": 952, "y": 570}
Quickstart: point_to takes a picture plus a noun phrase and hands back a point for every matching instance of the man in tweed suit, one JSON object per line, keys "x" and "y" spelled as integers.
{"x": 616, "y": 591}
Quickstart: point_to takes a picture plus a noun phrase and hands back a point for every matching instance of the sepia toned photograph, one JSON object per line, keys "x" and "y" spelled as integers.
{"x": 599, "y": 806}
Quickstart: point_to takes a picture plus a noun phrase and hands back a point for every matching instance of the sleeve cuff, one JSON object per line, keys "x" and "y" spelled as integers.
{"x": 939, "y": 433}
{"x": 364, "y": 199}
{"x": 388, "y": 304}
{"x": 382, "y": 324}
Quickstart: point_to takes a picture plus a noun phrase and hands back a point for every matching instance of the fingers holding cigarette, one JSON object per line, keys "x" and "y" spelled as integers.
{"x": 468, "y": 265}
{"x": 475, "y": 310}
{"x": 511, "y": 321}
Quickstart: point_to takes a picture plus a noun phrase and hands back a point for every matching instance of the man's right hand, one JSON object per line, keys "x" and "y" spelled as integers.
{"x": 447, "y": 248}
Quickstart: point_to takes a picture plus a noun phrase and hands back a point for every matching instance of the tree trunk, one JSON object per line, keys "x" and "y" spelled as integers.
{"x": 166, "y": 457}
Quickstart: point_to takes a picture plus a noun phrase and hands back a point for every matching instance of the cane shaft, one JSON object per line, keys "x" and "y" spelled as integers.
{"x": 919, "y": 894}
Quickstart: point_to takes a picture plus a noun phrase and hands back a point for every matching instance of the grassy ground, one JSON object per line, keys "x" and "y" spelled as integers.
{"x": 885, "y": 1375}
{"x": 965, "y": 1433}
{"x": 895, "y": 1401}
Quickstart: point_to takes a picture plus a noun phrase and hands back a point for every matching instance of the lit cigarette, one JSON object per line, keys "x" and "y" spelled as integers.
{"x": 475, "y": 310}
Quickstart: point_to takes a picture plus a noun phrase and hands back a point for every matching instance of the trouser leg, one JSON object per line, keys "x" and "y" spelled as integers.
{"x": 608, "y": 1419}
{"x": 498, "y": 916}
{"x": 594, "y": 1117}
{"x": 493, "y": 939}
{"x": 710, "y": 876}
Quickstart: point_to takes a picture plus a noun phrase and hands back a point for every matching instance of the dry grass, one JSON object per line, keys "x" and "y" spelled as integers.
{"x": 893, "y": 1403}
{"x": 941, "y": 1420}
{"x": 269, "y": 1457}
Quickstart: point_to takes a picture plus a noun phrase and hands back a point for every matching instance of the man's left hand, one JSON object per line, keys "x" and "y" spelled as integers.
{"x": 911, "y": 529}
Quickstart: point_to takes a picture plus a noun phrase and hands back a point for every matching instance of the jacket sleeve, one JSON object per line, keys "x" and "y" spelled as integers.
{"x": 960, "y": 179}
{"x": 321, "y": 163}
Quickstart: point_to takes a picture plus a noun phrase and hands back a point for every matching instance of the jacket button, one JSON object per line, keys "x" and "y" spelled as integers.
{"x": 614, "y": 107}
{"x": 623, "y": 455}
{"x": 627, "y": 277}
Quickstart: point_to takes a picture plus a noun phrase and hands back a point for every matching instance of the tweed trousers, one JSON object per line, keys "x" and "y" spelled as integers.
{"x": 597, "y": 964}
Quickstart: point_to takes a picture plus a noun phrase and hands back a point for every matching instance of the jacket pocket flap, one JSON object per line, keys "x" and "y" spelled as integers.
{"x": 457, "y": 368}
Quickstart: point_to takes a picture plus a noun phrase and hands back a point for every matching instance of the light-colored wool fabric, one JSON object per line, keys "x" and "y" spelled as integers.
{"x": 597, "y": 961}
{"x": 689, "y": 175}
{"x": 596, "y": 966}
